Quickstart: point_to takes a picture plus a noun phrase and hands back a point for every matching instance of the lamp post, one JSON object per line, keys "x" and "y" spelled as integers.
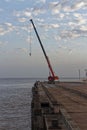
{"x": 86, "y": 73}
{"x": 79, "y": 73}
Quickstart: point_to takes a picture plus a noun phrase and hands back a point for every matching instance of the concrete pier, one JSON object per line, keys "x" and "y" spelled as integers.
{"x": 59, "y": 106}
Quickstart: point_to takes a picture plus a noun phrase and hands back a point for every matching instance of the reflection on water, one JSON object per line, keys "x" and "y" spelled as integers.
{"x": 15, "y": 101}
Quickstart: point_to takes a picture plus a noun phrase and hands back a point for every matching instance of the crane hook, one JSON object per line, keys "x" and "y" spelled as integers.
{"x": 29, "y": 39}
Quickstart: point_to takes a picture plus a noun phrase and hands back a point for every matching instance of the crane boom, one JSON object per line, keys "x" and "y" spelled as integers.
{"x": 52, "y": 77}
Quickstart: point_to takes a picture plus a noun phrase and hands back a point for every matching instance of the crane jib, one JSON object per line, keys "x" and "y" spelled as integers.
{"x": 52, "y": 77}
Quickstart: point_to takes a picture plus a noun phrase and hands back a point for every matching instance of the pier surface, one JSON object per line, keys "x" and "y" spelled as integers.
{"x": 59, "y": 106}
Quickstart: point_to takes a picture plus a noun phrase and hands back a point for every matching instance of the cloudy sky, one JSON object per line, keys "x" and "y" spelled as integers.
{"x": 62, "y": 26}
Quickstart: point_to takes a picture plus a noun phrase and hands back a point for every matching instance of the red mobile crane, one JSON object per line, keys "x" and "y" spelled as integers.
{"x": 52, "y": 76}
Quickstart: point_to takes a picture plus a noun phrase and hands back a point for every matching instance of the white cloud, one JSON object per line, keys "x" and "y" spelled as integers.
{"x": 54, "y": 25}
{"x": 17, "y": 13}
{"x": 22, "y": 20}
{"x": 67, "y": 9}
{"x": 8, "y": 24}
{"x": 55, "y": 11}
{"x": 6, "y": 28}
{"x": 69, "y": 34}
{"x": 72, "y": 24}
{"x": 27, "y": 13}
{"x": 36, "y": 11}
{"x": 75, "y": 6}
{"x": 40, "y": 19}
{"x": 9, "y": 27}
{"x": 78, "y": 5}
{"x": 83, "y": 28}
{"x": 49, "y": 26}
{"x": 53, "y": 4}
{"x": 77, "y": 15}
{"x": 82, "y": 21}
{"x": 55, "y": 7}
{"x": 57, "y": 38}
{"x": 24, "y": 13}
{"x": 65, "y": 13}
{"x": 42, "y": 1}
{"x": 74, "y": 33}
{"x": 2, "y": 31}
{"x": 61, "y": 15}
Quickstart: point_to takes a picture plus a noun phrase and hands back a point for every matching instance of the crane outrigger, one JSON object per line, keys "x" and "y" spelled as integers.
{"x": 52, "y": 76}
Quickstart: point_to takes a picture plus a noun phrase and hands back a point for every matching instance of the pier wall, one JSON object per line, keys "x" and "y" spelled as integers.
{"x": 59, "y": 106}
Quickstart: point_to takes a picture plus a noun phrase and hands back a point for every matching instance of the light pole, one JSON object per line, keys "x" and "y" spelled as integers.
{"x": 79, "y": 73}
{"x": 86, "y": 73}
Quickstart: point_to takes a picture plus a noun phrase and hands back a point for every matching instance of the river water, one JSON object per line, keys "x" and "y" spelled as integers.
{"x": 15, "y": 104}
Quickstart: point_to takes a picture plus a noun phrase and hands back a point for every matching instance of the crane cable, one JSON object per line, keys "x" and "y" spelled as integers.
{"x": 29, "y": 38}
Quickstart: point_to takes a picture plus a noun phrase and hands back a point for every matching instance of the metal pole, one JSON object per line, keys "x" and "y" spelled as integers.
{"x": 79, "y": 73}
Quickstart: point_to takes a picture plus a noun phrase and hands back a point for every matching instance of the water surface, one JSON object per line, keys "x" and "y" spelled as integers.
{"x": 15, "y": 104}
